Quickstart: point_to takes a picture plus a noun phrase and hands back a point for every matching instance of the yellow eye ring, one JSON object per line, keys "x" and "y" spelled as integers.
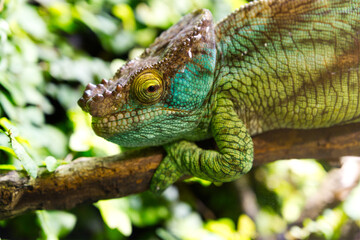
{"x": 148, "y": 86}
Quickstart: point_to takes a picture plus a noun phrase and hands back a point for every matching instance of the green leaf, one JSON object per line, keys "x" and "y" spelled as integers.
{"x": 31, "y": 22}
{"x": 351, "y": 204}
{"x": 7, "y": 125}
{"x": 114, "y": 216}
{"x": 7, "y": 167}
{"x": 56, "y": 224}
{"x": 8, "y": 150}
{"x": 51, "y": 163}
{"x": 28, "y": 163}
{"x": 5, "y": 141}
{"x": 223, "y": 227}
{"x": 126, "y": 14}
{"x": 246, "y": 227}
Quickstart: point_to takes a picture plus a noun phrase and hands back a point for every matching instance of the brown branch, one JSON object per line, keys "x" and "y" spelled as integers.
{"x": 92, "y": 179}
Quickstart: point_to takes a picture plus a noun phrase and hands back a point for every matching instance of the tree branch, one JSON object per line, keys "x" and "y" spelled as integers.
{"x": 92, "y": 179}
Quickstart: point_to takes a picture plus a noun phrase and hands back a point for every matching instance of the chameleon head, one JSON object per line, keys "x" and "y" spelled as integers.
{"x": 160, "y": 96}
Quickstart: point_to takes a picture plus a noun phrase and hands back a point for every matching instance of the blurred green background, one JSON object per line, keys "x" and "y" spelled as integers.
{"x": 49, "y": 51}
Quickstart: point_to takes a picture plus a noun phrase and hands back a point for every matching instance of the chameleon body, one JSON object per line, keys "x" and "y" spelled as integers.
{"x": 269, "y": 65}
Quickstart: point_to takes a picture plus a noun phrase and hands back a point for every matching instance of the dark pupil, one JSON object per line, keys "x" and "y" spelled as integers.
{"x": 152, "y": 89}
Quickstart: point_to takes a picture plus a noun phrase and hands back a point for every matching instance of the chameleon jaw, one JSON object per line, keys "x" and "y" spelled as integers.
{"x": 122, "y": 122}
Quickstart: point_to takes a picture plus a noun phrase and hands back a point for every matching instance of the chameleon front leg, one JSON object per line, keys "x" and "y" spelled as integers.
{"x": 233, "y": 159}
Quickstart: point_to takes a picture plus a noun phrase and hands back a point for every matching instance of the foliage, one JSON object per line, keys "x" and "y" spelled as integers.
{"x": 49, "y": 51}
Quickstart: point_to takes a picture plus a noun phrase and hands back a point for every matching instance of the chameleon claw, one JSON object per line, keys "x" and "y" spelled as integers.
{"x": 166, "y": 174}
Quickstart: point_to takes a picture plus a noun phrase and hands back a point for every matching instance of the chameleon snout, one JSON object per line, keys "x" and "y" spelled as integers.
{"x": 102, "y": 99}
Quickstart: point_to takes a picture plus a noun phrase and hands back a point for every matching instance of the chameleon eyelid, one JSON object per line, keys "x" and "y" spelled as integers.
{"x": 148, "y": 86}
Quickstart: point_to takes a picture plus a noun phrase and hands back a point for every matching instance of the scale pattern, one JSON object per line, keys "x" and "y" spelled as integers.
{"x": 291, "y": 64}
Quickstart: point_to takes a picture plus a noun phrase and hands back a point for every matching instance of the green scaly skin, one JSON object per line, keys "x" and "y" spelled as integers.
{"x": 269, "y": 65}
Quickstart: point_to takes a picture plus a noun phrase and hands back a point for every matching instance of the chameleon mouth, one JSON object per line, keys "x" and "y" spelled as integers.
{"x": 122, "y": 122}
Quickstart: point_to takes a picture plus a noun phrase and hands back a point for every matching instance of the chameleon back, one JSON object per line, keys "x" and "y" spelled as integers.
{"x": 291, "y": 64}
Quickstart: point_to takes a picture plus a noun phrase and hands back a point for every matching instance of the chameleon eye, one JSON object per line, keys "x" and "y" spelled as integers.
{"x": 148, "y": 86}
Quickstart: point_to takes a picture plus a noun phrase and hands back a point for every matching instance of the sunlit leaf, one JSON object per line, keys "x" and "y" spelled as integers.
{"x": 163, "y": 234}
{"x": 7, "y": 125}
{"x": 62, "y": 16}
{"x": 145, "y": 37}
{"x": 126, "y": 14}
{"x": 187, "y": 226}
{"x": 84, "y": 139}
{"x": 268, "y": 222}
{"x": 82, "y": 69}
{"x": 4, "y": 30}
{"x": 28, "y": 163}
{"x": 8, "y": 150}
{"x": 51, "y": 163}
{"x": 246, "y": 227}
{"x": 122, "y": 41}
{"x": 31, "y": 22}
{"x": 48, "y": 137}
{"x": 223, "y": 227}
{"x": 99, "y": 23}
{"x": 56, "y": 224}
{"x": 329, "y": 224}
{"x": 236, "y": 3}
{"x": 7, "y": 167}
{"x": 114, "y": 216}
{"x": 160, "y": 13}
{"x": 351, "y": 204}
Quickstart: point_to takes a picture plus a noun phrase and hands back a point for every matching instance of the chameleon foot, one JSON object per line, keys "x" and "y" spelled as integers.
{"x": 166, "y": 174}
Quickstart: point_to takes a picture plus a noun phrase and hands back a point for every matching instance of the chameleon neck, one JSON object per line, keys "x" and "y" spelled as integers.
{"x": 276, "y": 77}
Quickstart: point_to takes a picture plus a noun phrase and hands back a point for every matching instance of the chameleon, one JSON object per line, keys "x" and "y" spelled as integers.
{"x": 271, "y": 64}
